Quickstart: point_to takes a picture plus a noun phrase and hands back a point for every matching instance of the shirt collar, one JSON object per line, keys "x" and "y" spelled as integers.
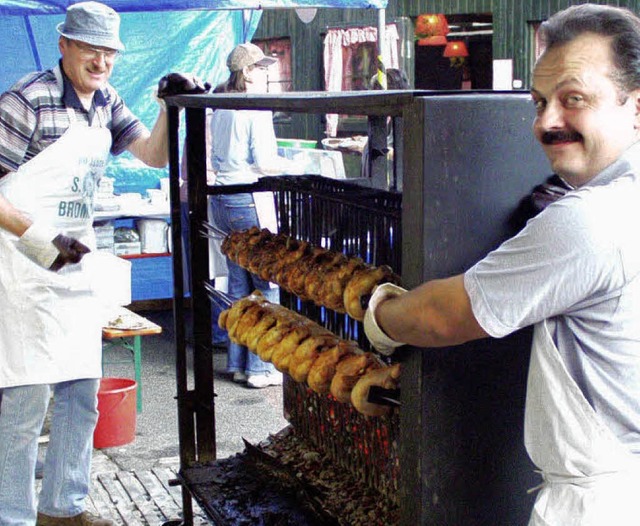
{"x": 627, "y": 162}
{"x": 70, "y": 97}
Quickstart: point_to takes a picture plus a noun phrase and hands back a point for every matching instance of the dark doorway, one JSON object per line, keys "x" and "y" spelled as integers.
{"x": 433, "y": 71}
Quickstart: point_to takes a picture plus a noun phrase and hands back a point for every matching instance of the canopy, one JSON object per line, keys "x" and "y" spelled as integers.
{"x": 52, "y": 7}
{"x": 160, "y": 36}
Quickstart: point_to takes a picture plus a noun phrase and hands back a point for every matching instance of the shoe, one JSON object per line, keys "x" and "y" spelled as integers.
{"x": 83, "y": 519}
{"x": 258, "y": 381}
{"x": 240, "y": 378}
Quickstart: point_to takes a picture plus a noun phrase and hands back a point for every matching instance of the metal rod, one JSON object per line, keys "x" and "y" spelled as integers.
{"x": 213, "y": 230}
{"x": 222, "y": 299}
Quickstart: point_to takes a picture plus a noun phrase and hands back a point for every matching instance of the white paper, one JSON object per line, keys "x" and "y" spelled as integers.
{"x": 502, "y": 74}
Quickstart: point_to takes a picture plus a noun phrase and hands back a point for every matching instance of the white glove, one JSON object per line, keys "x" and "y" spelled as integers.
{"x": 380, "y": 341}
{"x": 36, "y": 244}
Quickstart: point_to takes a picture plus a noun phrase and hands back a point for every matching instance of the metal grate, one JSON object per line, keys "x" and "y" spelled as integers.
{"x": 342, "y": 216}
{"x": 357, "y": 221}
{"x": 366, "y": 447}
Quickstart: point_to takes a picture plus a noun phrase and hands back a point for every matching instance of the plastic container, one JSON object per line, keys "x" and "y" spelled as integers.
{"x": 117, "y": 407}
{"x": 153, "y": 235}
{"x": 297, "y": 143}
{"x": 109, "y": 277}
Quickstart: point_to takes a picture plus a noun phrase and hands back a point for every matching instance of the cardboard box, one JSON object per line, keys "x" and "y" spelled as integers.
{"x": 127, "y": 249}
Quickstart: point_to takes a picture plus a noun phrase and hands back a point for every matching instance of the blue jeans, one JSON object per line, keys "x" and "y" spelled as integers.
{"x": 238, "y": 212}
{"x": 67, "y": 467}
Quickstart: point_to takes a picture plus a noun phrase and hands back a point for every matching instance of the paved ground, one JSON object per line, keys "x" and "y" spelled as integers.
{"x": 240, "y": 412}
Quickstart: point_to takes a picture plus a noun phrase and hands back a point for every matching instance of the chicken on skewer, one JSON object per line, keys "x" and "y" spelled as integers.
{"x": 308, "y": 352}
{"x": 349, "y": 371}
{"x": 387, "y": 377}
{"x": 326, "y": 277}
{"x": 323, "y": 368}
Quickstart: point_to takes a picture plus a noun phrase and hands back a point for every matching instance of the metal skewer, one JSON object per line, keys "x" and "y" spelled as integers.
{"x": 213, "y": 230}
{"x": 221, "y": 299}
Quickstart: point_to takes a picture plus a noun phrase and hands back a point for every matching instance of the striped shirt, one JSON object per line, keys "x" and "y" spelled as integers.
{"x": 33, "y": 115}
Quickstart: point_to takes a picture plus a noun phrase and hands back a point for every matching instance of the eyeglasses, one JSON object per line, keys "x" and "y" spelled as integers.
{"x": 92, "y": 53}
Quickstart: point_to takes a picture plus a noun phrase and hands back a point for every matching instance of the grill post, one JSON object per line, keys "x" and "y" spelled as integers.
{"x": 462, "y": 453}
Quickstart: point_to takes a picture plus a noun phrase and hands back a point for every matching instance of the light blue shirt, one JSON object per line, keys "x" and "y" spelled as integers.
{"x": 243, "y": 145}
{"x": 577, "y": 265}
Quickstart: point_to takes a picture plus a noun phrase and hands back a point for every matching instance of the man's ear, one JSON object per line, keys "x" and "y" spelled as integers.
{"x": 635, "y": 94}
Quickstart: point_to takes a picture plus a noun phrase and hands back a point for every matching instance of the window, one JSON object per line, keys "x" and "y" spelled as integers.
{"x": 279, "y": 76}
{"x": 350, "y": 61}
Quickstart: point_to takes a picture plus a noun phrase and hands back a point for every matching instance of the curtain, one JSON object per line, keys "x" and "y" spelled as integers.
{"x": 339, "y": 45}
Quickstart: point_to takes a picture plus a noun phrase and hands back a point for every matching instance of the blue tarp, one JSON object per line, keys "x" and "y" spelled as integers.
{"x": 160, "y": 36}
{"x": 44, "y": 7}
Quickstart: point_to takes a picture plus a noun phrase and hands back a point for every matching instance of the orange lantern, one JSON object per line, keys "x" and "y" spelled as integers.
{"x": 456, "y": 48}
{"x": 436, "y": 40}
{"x": 431, "y": 29}
{"x": 456, "y": 51}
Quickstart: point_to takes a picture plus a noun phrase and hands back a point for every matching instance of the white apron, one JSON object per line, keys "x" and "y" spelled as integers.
{"x": 590, "y": 477}
{"x": 50, "y": 326}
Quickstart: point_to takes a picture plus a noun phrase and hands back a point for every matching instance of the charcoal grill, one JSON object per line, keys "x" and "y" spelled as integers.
{"x": 452, "y": 454}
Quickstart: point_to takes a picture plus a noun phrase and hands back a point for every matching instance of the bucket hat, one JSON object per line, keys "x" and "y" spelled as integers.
{"x": 245, "y": 55}
{"x": 93, "y": 23}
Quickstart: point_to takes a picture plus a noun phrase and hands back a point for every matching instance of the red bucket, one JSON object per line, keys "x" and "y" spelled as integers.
{"x": 117, "y": 407}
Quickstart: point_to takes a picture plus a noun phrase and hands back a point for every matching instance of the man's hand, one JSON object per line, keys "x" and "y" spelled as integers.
{"x": 181, "y": 84}
{"x": 70, "y": 251}
{"x": 49, "y": 249}
{"x": 379, "y": 340}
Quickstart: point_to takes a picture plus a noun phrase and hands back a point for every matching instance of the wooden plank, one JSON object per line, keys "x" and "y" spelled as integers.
{"x": 120, "y": 499}
{"x": 102, "y": 503}
{"x": 140, "y": 497}
{"x": 94, "y": 505}
{"x": 160, "y": 497}
{"x": 164, "y": 475}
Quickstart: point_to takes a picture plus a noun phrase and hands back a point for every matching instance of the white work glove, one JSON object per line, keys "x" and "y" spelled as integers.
{"x": 49, "y": 249}
{"x": 379, "y": 340}
{"x": 37, "y": 244}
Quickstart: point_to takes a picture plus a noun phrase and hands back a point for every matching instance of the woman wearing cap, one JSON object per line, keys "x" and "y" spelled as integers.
{"x": 244, "y": 148}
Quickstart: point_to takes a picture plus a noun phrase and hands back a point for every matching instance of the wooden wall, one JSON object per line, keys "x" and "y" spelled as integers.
{"x": 512, "y": 37}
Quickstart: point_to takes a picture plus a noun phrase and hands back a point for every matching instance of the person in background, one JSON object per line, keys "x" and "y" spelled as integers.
{"x": 243, "y": 148}
{"x": 396, "y": 79}
{"x": 57, "y": 129}
{"x": 573, "y": 272}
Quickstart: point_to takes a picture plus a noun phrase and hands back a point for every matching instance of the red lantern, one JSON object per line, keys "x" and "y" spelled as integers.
{"x": 456, "y": 51}
{"x": 456, "y": 48}
{"x": 436, "y": 40}
{"x": 431, "y": 25}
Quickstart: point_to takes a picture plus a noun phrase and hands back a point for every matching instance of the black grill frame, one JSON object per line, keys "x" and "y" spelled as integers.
{"x": 467, "y": 159}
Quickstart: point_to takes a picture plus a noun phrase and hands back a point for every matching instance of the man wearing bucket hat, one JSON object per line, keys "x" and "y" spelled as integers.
{"x": 57, "y": 129}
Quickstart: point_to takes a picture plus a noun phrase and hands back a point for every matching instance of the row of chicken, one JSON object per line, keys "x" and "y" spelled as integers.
{"x": 308, "y": 352}
{"x": 326, "y": 277}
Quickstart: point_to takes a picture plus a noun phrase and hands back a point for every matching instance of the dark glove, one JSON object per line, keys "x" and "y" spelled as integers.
{"x": 70, "y": 251}
{"x": 181, "y": 84}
